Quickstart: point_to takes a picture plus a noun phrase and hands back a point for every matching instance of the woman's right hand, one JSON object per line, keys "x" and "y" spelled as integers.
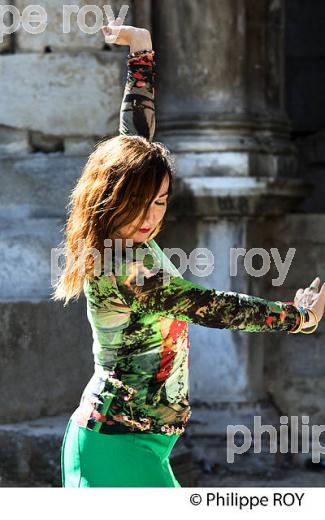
{"x": 311, "y": 298}
{"x": 136, "y": 37}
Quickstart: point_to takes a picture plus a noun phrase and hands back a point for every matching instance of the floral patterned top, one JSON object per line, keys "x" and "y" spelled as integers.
{"x": 139, "y": 315}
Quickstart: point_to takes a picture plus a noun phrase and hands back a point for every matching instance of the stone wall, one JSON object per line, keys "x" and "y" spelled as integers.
{"x": 67, "y": 87}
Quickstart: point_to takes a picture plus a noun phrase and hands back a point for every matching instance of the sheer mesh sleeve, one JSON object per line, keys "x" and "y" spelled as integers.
{"x": 137, "y": 115}
{"x": 150, "y": 292}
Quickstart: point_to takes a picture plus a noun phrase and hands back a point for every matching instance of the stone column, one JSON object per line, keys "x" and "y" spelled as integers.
{"x": 220, "y": 85}
{"x": 142, "y": 14}
{"x": 220, "y": 110}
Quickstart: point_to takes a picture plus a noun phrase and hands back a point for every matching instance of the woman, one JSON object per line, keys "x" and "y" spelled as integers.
{"x": 139, "y": 319}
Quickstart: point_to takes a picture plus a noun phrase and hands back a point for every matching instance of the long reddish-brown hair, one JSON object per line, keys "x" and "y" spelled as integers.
{"x": 101, "y": 203}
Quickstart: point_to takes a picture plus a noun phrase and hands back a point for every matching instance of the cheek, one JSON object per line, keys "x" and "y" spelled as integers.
{"x": 126, "y": 230}
{"x": 160, "y": 212}
{"x": 131, "y": 226}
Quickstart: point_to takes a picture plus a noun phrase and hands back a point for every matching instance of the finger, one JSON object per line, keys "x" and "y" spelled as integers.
{"x": 299, "y": 293}
{"x": 112, "y": 37}
{"x": 107, "y": 31}
{"x": 113, "y": 30}
{"x": 312, "y": 300}
{"x": 322, "y": 292}
{"x": 113, "y": 23}
{"x": 314, "y": 286}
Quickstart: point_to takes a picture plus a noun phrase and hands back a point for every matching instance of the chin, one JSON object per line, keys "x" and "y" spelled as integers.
{"x": 140, "y": 237}
{"x": 138, "y": 240}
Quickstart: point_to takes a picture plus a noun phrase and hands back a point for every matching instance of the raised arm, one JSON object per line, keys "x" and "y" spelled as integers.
{"x": 137, "y": 114}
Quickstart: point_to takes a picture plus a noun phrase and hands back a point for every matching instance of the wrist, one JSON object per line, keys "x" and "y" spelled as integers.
{"x": 311, "y": 320}
{"x": 308, "y": 322}
{"x": 140, "y": 39}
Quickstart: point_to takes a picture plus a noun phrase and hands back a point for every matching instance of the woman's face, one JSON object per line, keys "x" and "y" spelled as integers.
{"x": 154, "y": 215}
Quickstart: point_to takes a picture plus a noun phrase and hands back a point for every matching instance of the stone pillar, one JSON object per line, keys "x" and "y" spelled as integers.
{"x": 220, "y": 110}
{"x": 142, "y": 14}
{"x": 221, "y": 86}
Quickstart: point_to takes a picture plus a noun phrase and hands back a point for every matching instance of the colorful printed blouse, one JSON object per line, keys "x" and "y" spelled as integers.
{"x": 139, "y": 315}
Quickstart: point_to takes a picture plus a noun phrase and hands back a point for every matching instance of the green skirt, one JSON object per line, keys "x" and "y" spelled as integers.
{"x": 94, "y": 459}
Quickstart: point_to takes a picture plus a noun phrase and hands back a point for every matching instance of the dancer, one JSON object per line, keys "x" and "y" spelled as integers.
{"x": 136, "y": 405}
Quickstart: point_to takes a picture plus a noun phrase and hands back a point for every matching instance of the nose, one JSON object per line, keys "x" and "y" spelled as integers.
{"x": 150, "y": 217}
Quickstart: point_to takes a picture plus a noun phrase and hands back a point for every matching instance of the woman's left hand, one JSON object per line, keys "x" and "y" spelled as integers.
{"x": 311, "y": 298}
{"x": 116, "y": 32}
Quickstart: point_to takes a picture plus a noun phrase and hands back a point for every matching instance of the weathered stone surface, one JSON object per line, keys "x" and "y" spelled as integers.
{"x": 33, "y": 197}
{"x": 40, "y": 142}
{"x": 142, "y": 13}
{"x": 294, "y": 363}
{"x": 13, "y": 141}
{"x": 62, "y": 95}
{"x": 37, "y": 186}
{"x": 237, "y": 196}
{"x": 223, "y": 113}
{"x": 5, "y": 39}
{"x": 40, "y": 342}
{"x": 237, "y": 70}
{"x": 76, "y": 39}
{"x": 232, "y": 153}
{"x": 75, "y": 146}
{"x": 30, "y": 452}
{"x": 25, "y": 257}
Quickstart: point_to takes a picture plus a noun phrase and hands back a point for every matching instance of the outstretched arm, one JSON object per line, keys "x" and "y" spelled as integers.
{"x": 187, "y": 301}
{"x": 137, "y": 114}
{"x": 147, "y": 290}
